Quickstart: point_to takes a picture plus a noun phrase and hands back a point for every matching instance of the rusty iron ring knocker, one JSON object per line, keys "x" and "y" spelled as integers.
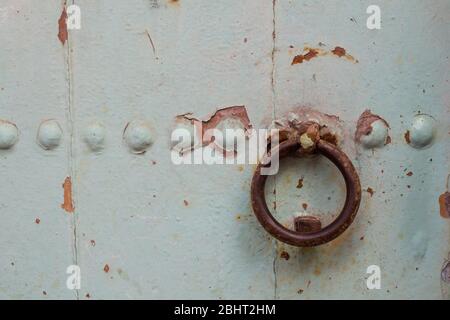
{"x": 308, "y": 231}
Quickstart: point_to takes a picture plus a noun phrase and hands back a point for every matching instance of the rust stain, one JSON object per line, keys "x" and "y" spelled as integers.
{"x": 174, "y": 2}
{"x": 93, "y": 243}
{"x": 62, "y": 26}
{"x": 339, "y": 51}
{"x": 409, "y": 174}
{"x": 407, "y": 137}
{"x": 68, "y": 202}
{"x": 285, "y": 255}
{"x": 106, "y": 268}
{"x": 444, "y": 204}
{"x": 300, "y": 183}
{"x": 312, "y": 53}
{"x": 305, "y": 206}
{"x": 37, "y": 220}
{"x": 329, "y": 137}
{"x": 370, "y": 191}
{"x": 364, "y": 125}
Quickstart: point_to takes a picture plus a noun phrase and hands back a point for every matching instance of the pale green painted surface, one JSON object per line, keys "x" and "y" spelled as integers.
{"x": 212, "y": 54}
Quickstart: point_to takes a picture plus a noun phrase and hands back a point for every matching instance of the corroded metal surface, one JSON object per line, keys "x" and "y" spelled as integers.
{"x": 137, "y": 226}
{"x": 331, "y": 231}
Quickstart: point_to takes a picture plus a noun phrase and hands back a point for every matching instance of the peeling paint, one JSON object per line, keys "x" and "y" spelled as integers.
{"x": 237, "y": 113}
{"x": 364, "y": 128}
{"x": 62, "y": 27}
{"x": 68, "y": 202}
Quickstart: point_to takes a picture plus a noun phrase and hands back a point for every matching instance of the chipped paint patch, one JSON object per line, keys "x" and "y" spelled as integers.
{"x": 339, "y": 51}
{"x": 234, "y": 117}
{"x": 444, "y": 205}
{"x": 68, "y": 201}
{"x": 62, "y": 27}
{"x": 311, "y": 53}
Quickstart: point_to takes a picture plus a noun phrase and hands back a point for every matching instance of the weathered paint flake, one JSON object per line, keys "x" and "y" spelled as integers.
{"x": 68, "y": 202}
{"x": 234, "y": 117}
{"x": 62, "y": 25}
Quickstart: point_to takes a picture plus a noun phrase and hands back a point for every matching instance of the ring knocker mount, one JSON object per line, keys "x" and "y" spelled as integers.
{"x": 307, "y": 137}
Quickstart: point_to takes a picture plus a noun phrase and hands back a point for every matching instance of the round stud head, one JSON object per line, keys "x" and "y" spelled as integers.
{"x": 421, "y": 131}
{"x": 8, "y": 134}
{"x": 94, "y": 136}
{"x": 49, "y": 134}
{"x": 377, "y": 136}
{"x": 138, "y": 136}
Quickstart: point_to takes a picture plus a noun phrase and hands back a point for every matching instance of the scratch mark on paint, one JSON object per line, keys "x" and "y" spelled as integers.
{"x": 62, "y": 26}
{"x": 151, "y": 43}
{"x": 68, "y": 203}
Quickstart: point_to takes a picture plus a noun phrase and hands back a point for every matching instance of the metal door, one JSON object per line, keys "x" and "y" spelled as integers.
{"x": 91, "y": 91}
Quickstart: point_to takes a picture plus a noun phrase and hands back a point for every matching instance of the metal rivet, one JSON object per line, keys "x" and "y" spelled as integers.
{"x": 421, "y": 131}
{"x": 8, "y": 134}
{"x": 138, "y": 136}
{"x": 49, "y": 134}
{"x": 94, "y": 136}
{"x": 378, "y": 135}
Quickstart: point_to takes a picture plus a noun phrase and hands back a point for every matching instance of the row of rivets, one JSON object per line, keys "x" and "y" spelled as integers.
{"x": 137, "y": 135}
{"x": 419, "y": 135}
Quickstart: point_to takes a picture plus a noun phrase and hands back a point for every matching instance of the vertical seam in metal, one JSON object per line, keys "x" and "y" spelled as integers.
{"x": 273, "y": 74}
{"x": 70, "y": 155}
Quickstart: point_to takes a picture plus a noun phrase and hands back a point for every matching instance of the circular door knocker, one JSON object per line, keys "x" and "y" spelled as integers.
{"x": 308, "y": 231}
